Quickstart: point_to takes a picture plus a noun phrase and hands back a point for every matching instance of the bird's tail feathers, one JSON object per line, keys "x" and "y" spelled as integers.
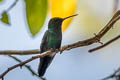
{"x": 44, "y": 63}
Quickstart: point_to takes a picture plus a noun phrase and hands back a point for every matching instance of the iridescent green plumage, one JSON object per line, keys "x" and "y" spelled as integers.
{"x": 51, "y": 39}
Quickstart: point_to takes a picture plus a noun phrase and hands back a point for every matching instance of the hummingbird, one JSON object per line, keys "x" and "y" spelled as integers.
{"x": 51, "y": 39}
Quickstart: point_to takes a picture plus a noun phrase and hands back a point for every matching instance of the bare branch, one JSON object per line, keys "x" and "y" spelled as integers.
{"x": 115, "y": 75}
{"x": 19, "y": 52}
{"x": 104, "y": 45}
{"x": 24, "y": 62}
{"x": 86, "y": 42}
{"x": 15, "y": 2}
{"x": 26, "y": 66}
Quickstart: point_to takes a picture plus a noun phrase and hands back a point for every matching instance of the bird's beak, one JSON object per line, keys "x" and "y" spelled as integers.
{"x": 69, "y": 17}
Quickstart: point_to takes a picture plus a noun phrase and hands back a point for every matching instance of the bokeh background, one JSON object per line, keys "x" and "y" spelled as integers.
{"x": 76, "y": 64}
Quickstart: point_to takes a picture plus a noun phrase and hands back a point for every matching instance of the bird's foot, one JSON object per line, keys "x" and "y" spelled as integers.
{"x": 60, "y": 50}
{"x": 98, "y": 39}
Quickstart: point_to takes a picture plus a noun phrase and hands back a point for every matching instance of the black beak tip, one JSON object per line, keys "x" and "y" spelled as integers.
{"x": 70, "y": 16}
{"x": 75, "y": 14}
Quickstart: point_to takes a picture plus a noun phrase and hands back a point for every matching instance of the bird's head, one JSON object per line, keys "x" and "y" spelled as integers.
{"x": 56, "y": 22}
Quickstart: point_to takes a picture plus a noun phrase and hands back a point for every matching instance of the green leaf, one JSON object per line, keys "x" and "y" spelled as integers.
{"x": 5, "y": 18}
{"x": 36, "y": 11}
{"x": 1, "y": 1}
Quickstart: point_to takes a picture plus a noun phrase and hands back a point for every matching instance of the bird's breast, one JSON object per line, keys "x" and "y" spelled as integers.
{"x": 54, "y": 40}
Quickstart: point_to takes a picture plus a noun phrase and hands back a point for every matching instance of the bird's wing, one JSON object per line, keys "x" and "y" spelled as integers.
{"x": 43, "y": 46}
{"x": 46, "y": 60}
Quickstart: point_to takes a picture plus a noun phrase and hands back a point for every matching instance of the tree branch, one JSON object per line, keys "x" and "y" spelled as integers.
{"x": 26, "y": 66}
{"x": 104, "y": 45}
{"x": 19, "y": 52}
{"x": 86, "y": 42}
{"x": 115, "y": 75}
{"x": 14, "y": 3}
{"x": 24, "y": 62}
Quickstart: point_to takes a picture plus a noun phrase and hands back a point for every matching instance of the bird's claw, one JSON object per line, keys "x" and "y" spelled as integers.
{"x": 60, "y": 50}
{"x": 98, "y": 39}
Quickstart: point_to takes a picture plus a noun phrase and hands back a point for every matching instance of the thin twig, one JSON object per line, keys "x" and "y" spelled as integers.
{"x": 104, "y": 45}
{"x": 24, "y": 62}
{"x": 15, "y": 2}
{"x": 26, "y": 66}
{"x": 86, "y": 42}
{"x": 116, "y": 74}
{"x": 115, "y": 18}
{"x": 19, "y": 52}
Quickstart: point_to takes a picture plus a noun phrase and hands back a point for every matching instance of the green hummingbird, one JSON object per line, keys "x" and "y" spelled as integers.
{"x": 51, "y": 39}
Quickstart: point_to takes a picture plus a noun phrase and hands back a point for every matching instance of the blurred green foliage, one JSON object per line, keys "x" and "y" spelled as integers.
{"x": 1, "y": 1}
{"x": 5, "y": 18}
{"x": 36, "y": 11}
